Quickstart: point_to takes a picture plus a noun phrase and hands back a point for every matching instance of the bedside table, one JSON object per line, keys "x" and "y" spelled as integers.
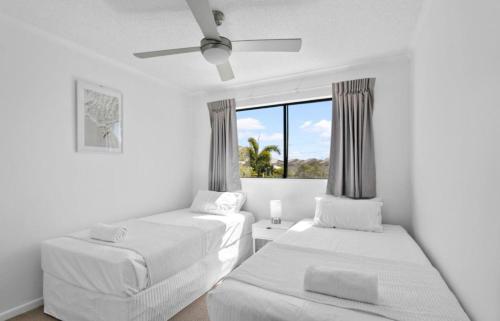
{"x": 264, "y": 230}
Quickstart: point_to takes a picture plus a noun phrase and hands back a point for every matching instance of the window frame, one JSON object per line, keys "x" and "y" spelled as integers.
{"x": 285, "y": 130}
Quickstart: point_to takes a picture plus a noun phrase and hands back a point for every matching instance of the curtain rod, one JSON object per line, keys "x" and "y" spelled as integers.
{"x": 295, "y": 91}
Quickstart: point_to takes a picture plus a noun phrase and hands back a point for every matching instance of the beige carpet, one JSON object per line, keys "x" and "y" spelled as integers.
{"x": 196, "y": 311}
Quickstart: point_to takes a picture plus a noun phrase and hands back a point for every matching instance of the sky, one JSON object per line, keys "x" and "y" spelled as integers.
{"x": 309, "y": 129}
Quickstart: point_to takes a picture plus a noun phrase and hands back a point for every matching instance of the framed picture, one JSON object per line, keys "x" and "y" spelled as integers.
{"x": 99, "y": 118}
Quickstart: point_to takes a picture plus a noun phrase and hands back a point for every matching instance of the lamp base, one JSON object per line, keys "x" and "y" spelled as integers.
{"x": 275, "y": 220}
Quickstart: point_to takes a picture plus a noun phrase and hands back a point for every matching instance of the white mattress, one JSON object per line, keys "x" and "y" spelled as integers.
{"x": 121, "y": 272}
{"x": 230, "y": 300}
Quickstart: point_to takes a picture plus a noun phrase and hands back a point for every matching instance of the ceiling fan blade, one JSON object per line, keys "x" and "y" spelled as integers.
{"x": 205, "y": 18}
{"x": 286, "y": 45}
{"x": 167, "y": 52}
{"x": 225, "y": 71}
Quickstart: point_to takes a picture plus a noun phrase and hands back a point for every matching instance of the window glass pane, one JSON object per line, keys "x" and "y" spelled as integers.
{"x": 309, "y": 139}
{"x": 265, "y": 127}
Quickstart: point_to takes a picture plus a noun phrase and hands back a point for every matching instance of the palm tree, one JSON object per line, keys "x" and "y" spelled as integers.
{"x": 260, "y": 161}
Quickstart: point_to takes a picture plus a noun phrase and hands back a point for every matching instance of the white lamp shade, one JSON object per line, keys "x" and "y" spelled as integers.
{"x": 275, "y": 208}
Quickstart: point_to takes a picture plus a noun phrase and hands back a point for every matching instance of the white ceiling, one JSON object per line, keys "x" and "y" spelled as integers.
{"x": 334, "y": 32}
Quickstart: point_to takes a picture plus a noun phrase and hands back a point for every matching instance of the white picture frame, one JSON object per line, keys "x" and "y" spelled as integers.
{"x": 99, "y": 118}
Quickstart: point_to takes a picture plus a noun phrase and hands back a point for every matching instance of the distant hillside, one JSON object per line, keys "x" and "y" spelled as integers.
{"x": 307, "y": 168}
{"x": 297, "y": 168}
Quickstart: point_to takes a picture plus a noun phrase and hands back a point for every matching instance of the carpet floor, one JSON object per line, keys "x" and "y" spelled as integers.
{"x": 196, "y": 311}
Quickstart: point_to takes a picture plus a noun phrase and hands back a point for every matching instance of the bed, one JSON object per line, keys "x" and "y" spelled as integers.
{"x": 274, "y": 290}
{"x": 88, "y": 280}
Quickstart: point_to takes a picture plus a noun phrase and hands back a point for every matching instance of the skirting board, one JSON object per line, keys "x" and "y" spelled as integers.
{"x": 20, "y": 309}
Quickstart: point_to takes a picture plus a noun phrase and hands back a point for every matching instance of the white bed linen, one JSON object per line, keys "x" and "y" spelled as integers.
{"x": 165, "y": 248}
{"x": 234, "y": 300}
{"x": 393, "y": 244}
{"x": 407, "y": 291}
{"x": 230, "y": 300}
{"x": 157, "y": 303}
{"x": 122, "y": 272}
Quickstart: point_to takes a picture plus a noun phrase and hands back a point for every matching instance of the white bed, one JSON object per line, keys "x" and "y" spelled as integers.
{"x": 262, "y": 295}
{"x": 90, "y": 281}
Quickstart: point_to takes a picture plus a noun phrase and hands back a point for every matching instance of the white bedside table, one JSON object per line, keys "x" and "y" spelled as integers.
{"x": 264, "y": 230}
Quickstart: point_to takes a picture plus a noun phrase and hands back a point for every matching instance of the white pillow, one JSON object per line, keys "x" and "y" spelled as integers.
{"x": 350, "y": 214}
{"x": 220, "y": 203}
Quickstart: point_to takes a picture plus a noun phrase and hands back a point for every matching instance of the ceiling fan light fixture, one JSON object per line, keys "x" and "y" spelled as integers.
{"x": 216, "y": 52}
{"x": 217, "y": 49}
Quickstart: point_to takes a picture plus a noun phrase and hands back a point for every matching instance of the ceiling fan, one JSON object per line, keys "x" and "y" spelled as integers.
{"x": 217, "y": 49}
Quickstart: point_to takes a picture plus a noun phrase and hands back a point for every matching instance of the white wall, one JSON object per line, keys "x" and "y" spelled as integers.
{"x": 456, "y": 169}
{"x": 46, "y": 188}
{"x": 391, "y": 129}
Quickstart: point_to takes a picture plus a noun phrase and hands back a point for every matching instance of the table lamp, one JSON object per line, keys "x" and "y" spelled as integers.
{"x": 275, "y": 206}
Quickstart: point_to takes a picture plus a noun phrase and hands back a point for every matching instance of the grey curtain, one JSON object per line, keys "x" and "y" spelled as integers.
{"x": 352, "y": 155}
{"x": 224, "y": 171}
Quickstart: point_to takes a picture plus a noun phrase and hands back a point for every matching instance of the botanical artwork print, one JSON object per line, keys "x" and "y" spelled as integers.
{"x": 102, "y": 120}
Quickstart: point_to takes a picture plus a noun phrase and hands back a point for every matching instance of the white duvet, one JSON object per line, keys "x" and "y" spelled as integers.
{"x": 394, "y": 243}
{"x": 275, "y": 290}
{"x": 407, "y": 291}
{"x": 122, "y": 272}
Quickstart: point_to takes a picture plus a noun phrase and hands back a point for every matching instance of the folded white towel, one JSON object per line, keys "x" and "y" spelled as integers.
{"x": 352, "y": 285}
{"x": 109, "y": 233}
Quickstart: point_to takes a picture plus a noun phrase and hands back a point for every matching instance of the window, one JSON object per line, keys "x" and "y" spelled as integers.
{"x": 261, "y": 141}
{"x": 285, "y": 141}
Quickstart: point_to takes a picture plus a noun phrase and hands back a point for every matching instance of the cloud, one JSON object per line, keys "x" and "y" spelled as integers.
{"x": 271, "y": 137}
{"x": 245, "y": 124}
{"x": 322, "y": 127}
{"x": 306, "y": 124}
